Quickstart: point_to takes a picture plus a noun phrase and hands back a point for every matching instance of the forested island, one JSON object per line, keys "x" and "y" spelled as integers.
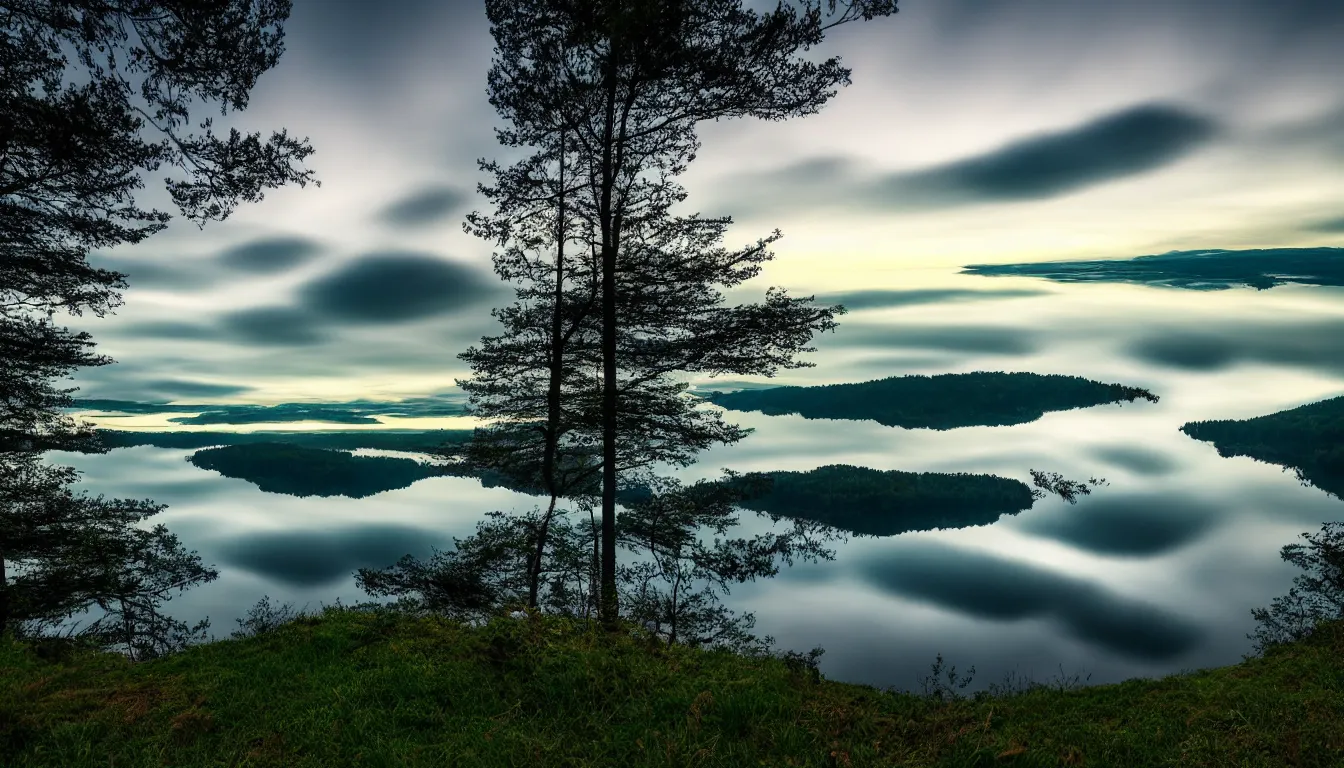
{"x": 1308, "y": 439}
{"x": 408, "y": 441}
{"x": 854, "y": 499}
{"x": 887, "y": 502}
{"x": 946, "y": 401}
{"x": 298, "y": 471}
{"x": 1211, "y": 269}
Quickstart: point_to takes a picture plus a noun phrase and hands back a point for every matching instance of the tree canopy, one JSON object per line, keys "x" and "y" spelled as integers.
{"x": 83, "y": 85}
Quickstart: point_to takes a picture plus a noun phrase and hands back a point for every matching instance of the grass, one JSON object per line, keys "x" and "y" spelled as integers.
{"x": 357, "y": 688}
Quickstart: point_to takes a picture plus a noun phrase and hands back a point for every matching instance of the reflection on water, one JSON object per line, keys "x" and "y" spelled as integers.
{"x": 163, "y": 422}
{"x": 1153, "y": 574}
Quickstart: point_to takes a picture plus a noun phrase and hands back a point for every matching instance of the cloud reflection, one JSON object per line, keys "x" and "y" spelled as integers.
{"x": 992, "y": 587}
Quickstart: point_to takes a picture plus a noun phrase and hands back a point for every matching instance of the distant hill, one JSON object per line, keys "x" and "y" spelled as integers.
{"x": 409, "y": 441}
{"x": 298, "y": 471}
{"x": 1308, "y": 439}
{"x": 884, "y": 503}
{"x": 348, "y": 412}
{"x": 946, "y": 401}
{"x": 1207, "y": 270}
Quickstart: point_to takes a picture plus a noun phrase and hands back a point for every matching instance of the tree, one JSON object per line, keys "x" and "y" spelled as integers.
{"x": 488, "y": 573}
{"x": 629, "y": 79}
{"x": 70, "y": 156}
{"x": 1316, "y": 596}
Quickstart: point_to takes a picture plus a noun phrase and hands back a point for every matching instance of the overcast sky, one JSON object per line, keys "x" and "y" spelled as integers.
{"x": 975, "y": 131}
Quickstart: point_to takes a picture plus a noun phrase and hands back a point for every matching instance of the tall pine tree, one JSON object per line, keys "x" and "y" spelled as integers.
{"x": 629, "y": 80}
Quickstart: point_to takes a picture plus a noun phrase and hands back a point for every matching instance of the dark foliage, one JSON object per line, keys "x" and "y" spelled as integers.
{"x": 1316, "y": 596}
{"x": 71, "y": 157}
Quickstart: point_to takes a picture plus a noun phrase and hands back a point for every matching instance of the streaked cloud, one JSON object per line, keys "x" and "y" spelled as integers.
{"x": 270, "y": 255}
{"x": 1313, "y": 345}
{"x": 158, "y": 273}
{"x": 424, "y": 207}
{"x": 1133, "y": 141}
{"x": 885, "y": 299}
{"x": 397, "y": 286}
{"x": 1129, "y": 142}
{"x": 986, "y": 339}
{"x": 1335, "y": 225}
{"x": 271, "y": 326}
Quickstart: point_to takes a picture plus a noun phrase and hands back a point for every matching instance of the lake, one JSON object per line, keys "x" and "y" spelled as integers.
{"x": 1153, "y": 574}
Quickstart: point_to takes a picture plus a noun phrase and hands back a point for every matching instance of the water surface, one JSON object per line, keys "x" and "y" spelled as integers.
{"x": 1153, "y": 574}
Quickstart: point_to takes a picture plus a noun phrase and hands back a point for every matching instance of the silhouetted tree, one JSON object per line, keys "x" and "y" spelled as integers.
{"x": 70, "y": 157}
{"x": 628, "y": 80}
{"x": 530, "y": 379}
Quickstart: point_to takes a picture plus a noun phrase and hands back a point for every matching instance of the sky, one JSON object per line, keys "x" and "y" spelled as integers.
{"x": 975, "y": 132}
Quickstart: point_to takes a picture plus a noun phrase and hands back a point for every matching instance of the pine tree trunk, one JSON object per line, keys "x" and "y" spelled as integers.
{"x": 610, "y": 238}
{"x": 552, "y": 390}
{"x": 4, "y": 597}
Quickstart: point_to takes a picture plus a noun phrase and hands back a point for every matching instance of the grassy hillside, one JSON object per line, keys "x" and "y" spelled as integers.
{"x": 361, "y": 689}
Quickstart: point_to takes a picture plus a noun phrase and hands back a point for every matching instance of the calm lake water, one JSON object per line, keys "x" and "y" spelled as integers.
{"x": 1151, "y": 575}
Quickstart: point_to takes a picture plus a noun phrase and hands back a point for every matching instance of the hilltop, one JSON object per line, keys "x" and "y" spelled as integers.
{"x": 380, "y": 688}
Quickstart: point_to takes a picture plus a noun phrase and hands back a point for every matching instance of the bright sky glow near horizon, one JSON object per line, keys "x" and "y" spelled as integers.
{"x": 975, "y": 131}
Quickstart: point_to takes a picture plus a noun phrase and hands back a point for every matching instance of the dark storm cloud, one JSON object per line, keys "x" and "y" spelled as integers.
{"x": 1137, "y": 460}
{"x": 271, "y": 326}
{"x": 991, "y": 587}
{"x": 884, "y": 299}
{"x": 1135, "y": 526}
{"x": 423, "y": 207}
{"x": 1318, "y": 346}
{"x": 395, "y": 286}
{"x": 315, "y": 558}
{"x": 1207, "y": 270}
{"x": 1126, "y": 143}
{"x": 969, "y": 338}
{"x": 270, "y": 255}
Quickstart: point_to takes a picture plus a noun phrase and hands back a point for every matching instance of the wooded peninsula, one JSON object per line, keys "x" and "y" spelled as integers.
{"x": 1308, "y": 439}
